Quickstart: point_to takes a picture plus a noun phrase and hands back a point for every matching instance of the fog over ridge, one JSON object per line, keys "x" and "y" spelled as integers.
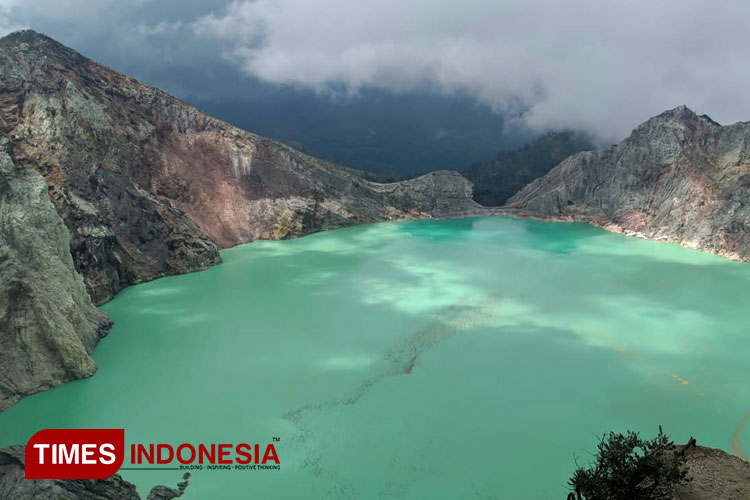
{"x": 598, "y": 66}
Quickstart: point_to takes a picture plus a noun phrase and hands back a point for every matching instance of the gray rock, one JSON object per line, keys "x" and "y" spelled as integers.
{"x": 147, "y": 186}
{"x": 679, "y": 177}
{"x": 714, "y": 474}
{"x": 161, "y": 492}
{"x": 48, "y": 325}
{"x": 13, "y": 485}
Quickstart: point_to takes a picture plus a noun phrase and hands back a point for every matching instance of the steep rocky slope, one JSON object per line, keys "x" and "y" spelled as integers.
{"x": 48, "y": 325}
{"x": 678, "y": 177}
{"x": 147, "y": 184}
{"x": 83, "y": 128}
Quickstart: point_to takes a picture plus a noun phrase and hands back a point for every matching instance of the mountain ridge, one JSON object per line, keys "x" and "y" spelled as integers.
{"x": 43, "y": 81}
{"x": 679, "y": 177}
{"x": 147, "y": 186}
{"x": 495, "y": 181}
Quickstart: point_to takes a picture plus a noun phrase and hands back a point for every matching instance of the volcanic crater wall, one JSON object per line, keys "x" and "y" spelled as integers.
{"x": 678, "y": 177}
{"x": 147, "y": 186}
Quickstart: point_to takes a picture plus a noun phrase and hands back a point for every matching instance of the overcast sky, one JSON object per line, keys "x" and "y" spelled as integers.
{"x": 602, "y": 66}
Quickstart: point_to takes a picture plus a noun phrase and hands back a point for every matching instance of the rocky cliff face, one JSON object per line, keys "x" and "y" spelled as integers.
{"x": 149, "y": 186}
{"x": 48, "y": 325}
{"x": 146, "y": 186}
{"x": 679, "y": 177}
{"x": 96, "y": 138}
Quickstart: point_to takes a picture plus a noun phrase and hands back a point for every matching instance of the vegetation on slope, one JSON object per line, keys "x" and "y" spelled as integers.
{"x": 497, "y": 180}
{"x": 627, "y": 467}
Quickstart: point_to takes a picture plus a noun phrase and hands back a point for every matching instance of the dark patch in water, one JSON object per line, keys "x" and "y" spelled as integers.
{"x": 410, "y": 366}
{"x": 401, "y": 360}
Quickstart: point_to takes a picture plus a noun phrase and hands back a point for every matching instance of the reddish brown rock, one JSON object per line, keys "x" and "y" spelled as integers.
{"x": 149, "y": 186}
{"x": 141, "y": 186}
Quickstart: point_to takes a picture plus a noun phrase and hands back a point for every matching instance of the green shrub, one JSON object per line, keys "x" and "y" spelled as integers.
{"x": 627, "y": 467}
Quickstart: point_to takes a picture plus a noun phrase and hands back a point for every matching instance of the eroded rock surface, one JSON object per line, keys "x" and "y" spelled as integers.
{"x": 146, "y": 186}
{"x": 714, "y": 474}
{"x": 48, "y": 325}
{"x": 149, "y": 186}
{"x": 679, "y": 177}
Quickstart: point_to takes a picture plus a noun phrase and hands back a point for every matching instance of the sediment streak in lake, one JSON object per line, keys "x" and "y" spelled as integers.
{"x": 469, "y": 358}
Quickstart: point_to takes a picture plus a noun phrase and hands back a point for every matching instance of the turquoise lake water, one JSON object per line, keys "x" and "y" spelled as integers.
{"x": 457, "y": 359}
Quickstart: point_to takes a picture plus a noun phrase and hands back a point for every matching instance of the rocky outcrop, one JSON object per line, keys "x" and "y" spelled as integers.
{"x": 714, "y": 474}
{"x": 80, "y": 125}
{"x": 13, "y": 486}
{"x": 679, "y": 177}
{"x": 48, "y": 325}
{"x": 149, "y": 186}
{"x": 444, "y": 193}
{"x": 146, "y": 186}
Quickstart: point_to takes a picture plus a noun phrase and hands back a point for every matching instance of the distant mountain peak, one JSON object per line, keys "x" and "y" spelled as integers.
{"x": 30, "y": 47}
{"x": 24, "y": 35}
{"x": 680, "y": 113}
{"x": 682, "y": 121}
{"x": 679, "y": 177}
{"x": 682, "y": 109}
{"x": 31, "y": 38}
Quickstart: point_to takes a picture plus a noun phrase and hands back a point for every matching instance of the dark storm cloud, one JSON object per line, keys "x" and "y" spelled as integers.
{"x": 602, "y": 66}
{"x": 149, "y": 39}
